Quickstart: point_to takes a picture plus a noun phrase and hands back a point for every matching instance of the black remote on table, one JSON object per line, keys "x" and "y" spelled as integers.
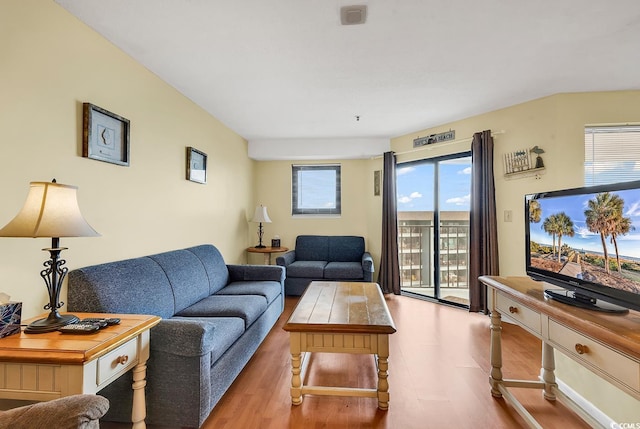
{"x": 102, "y": 321}
{"x": 79, "y": 328}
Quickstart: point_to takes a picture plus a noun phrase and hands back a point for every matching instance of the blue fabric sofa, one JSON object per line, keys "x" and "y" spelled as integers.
{"x": 214, "y": 318}
{"x": 323, "y": 257}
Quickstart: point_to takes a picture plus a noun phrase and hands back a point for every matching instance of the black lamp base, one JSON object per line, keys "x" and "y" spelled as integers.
{"x": 53, "y": 275}
{"x": 260, "y": 233}
{"x": 50, "y": 324}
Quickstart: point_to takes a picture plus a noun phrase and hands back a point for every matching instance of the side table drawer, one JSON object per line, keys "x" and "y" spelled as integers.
{"x": 595, "y": 355}
{"x": 523, "y": 314}
{"x": 117, "y": 361}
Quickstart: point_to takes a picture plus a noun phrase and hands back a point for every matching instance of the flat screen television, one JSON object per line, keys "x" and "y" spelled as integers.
{"x": 587, "y": 242}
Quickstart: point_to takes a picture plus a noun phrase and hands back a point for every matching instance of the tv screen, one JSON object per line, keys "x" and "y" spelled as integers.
{"x": 587, "y": 241}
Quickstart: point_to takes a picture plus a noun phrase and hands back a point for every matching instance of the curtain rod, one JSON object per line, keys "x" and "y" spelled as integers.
{"x": 431, "y": 147}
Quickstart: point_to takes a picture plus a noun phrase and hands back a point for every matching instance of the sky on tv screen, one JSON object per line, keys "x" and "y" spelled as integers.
{"x": 574, "y": 207}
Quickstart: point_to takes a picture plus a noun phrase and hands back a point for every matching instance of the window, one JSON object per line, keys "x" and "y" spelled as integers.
{"x": 315, "y": 189}
{"x": 611, "y": 154}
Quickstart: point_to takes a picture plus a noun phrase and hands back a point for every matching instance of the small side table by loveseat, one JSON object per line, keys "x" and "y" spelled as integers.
{"x": 267, "y": 251}
{"x": 47, "y": 366}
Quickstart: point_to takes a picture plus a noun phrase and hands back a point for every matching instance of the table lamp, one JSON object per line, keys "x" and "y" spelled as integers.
{"x": 51, "y": 210}
{"x": 260, "y": 216}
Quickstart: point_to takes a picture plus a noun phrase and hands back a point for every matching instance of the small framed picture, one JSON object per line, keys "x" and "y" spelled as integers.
{"x": 376, "y": 182}
{"x": 105, "y": 135}
{"x": 196, "y": 165}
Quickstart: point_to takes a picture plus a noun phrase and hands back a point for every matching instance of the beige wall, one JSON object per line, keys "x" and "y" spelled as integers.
{"x": 50, "y": 64}
{"x": 360, "y": 212}
{"x": 556, "y": 124}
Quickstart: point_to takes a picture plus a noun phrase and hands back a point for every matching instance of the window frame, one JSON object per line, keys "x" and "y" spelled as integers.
{"x": 295, "y": 190}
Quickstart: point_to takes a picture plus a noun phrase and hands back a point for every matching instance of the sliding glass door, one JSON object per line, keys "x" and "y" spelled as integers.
{"x": 433, "y": 227}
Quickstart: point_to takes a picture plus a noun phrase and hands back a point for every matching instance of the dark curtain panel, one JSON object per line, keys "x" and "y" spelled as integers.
{"x": 389, "y": 276}
{"x": 483, "y": 233}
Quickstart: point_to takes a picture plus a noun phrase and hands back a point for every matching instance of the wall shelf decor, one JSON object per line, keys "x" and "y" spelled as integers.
{"x": 105, "y": 135}
{"x": 522, "y": 164}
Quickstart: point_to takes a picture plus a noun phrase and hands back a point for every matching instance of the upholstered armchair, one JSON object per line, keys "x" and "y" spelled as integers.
{"x": 70, "y": 412}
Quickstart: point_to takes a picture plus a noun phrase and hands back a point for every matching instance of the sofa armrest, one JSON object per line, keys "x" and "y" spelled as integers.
{"x": 286, "y": 258}
{"x": 367, "y": 262}
{"x": 367, "y": 267}
{"x": 241, "y": 273}
{"x": 183, "y": 336}
{"x": 70, "y": 412}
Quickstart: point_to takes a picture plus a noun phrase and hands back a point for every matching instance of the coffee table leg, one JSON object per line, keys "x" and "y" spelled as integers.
{"x": 383, "y": 372}
{"x": 296, "y": 366}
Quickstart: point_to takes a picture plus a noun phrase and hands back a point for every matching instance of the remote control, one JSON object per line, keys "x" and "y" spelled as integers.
{"x": 79, "y": 328}
{"x": 102, "y": 321}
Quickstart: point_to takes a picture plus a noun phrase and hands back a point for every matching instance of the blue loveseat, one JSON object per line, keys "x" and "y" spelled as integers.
{"x": 323, "y": 257}
{"x": 214, "y": 318}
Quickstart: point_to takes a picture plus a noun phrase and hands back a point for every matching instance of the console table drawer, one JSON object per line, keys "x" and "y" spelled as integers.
{"x": 117, "y": 362}
{"x": 523, "y": 314}
{"x": 597, "y": 356}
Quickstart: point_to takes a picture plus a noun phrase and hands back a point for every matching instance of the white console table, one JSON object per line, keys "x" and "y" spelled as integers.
{"x": 607, "y": 344}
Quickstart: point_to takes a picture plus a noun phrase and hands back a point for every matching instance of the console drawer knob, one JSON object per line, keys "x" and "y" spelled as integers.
{"x": 513, "y": 310}
{"x": 581, "y": 349}
{"x": 122, "y": 359}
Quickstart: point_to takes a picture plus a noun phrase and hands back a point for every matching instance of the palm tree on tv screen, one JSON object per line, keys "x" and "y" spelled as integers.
{"x": 564, "y": 226}
{"x": 604, "y": 217}
{"x": 550, "y": 226}
{"x": 619, "y": 225}
{"x": 535, "y": 211}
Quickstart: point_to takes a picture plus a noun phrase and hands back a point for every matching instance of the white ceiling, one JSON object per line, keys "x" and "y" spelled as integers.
{"x": 287, "y": 69}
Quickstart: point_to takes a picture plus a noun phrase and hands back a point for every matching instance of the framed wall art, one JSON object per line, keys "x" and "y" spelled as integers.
{"x": 196, "y": 165}
{"x": 376, "y": 182}
{"x": 105, "y": 135}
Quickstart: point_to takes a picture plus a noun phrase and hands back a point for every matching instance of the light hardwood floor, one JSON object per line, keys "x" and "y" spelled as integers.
{"x": 438, "y": 377}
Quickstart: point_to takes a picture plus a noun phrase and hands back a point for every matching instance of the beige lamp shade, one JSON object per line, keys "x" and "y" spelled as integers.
{"x": 261, "y": 215}
{"x": 51, "y": 210}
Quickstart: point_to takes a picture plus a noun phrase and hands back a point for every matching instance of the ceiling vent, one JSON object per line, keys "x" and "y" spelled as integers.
{"x": 351, "y": 15}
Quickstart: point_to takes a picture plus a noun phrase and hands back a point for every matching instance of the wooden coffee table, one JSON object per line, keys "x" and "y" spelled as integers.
{"x": 340, "y": 317}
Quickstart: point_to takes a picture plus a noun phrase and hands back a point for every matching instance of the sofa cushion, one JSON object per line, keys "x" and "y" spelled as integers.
{"x": 226, "y": 330}
{"x": 247, "y": 307}
{"x": 270, "y": 290}
{"x": 214, "y": 264}
{"x": 345, "y": 248}
{"x": 312, "y": 248}
{"x": 306, "y": 269}
{"x": 187, "y": 276}
{"x": 108, "y": 288}
{"x": 343, "y": 270}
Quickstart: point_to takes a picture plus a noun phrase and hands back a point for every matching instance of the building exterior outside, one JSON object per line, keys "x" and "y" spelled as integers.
{"x": 416, "y": 238}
